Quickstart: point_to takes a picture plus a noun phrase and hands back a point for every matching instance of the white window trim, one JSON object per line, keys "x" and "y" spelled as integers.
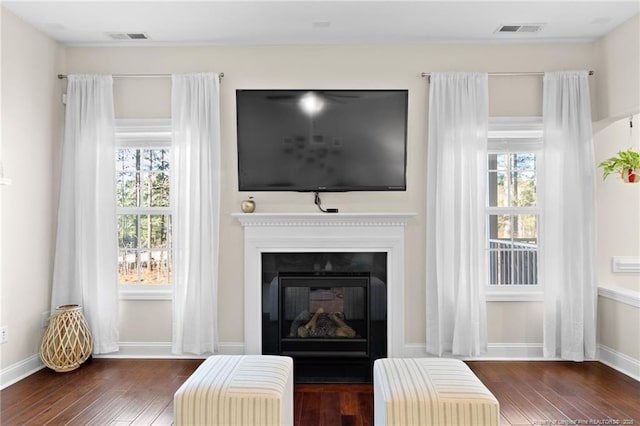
{"x": 529, "y": 131}
{"x": 144, "y": 133}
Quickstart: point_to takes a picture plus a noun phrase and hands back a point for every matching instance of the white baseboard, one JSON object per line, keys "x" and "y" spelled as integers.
{"x": 497, "y": 352}
{"x": 513, "y": 351}
{"x": 20, "y": 370}
{"x": 619, "y": 361}
{"x": 162, "y": 350}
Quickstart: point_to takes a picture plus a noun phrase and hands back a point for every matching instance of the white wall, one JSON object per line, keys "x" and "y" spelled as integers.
{"x": 328, "y": 67}
{"x": 618, "y": 68}
{"x": 618, "y": 220}
{"x": 618, "y": 204}
{"x": 31, "y": 134}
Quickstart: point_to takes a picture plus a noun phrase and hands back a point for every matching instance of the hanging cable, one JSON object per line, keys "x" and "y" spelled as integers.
{"x": 318, "y": 203}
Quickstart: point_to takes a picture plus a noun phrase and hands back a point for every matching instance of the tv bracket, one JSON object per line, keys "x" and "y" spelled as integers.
{"x": 318, "y": 203}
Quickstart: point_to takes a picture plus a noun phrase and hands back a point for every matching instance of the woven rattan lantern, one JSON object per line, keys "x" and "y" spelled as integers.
{"x": 67, "y": 343}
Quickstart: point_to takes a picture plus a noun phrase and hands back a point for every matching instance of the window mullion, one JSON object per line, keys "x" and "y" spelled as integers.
{"x": 145, "y": 210}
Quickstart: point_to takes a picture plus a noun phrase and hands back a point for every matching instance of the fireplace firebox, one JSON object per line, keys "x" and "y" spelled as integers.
{"x": 324, "y": 314}
{"x": 331, "y": 322}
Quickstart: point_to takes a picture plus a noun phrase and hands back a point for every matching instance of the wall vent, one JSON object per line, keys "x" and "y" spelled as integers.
{"x": 128, "y": 36}
{"x": 519, "y": 28}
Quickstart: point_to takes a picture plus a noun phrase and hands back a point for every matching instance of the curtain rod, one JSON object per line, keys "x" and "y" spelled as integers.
{"x": 61, "y": 76}
{"x": 507, "y": 74}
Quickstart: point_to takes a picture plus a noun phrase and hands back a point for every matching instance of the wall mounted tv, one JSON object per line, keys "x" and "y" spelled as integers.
{"x": 322, "y": 140}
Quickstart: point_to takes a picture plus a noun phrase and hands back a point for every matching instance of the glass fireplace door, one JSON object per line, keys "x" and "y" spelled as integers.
{"x": 324, "y": 314}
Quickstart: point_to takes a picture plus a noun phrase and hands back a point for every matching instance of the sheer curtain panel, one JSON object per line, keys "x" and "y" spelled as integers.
{"x": 568, "y": 231}
{"x": 86, "y": 258}
{"x": 195, "y": 198}
{"x": 456, "y": 188}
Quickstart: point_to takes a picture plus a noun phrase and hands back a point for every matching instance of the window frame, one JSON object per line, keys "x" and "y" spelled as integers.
{"x": 526, "y": 135}
{"x": 144, "y": 134}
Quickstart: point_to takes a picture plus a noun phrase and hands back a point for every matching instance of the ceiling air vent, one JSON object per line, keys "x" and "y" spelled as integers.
{"x": 519, "y": 28}
{"x": 128, "y": 36}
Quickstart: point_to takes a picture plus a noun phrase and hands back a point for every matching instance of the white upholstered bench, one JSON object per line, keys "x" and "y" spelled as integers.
{"x": 229, "y": 390}
{"x": 430, "y": 391}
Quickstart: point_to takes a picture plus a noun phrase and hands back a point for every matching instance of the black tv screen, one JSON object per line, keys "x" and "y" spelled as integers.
{"x": 322, "y": 140}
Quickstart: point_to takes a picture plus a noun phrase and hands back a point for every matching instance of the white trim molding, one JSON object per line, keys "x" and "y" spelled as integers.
{"x": 319, "y": 232}
{"x": 620, "y": 294}
{"x": 619, "y": 361}
{"x": 625, "y": 264}
{"x": 513, "y": 295}
{"x": 495, "y": 352}
{"x": 18, "y": 371}
{"x": 323, "y": 219}
{"x": 162, "y": 350}
{"x": 145, "y": 292}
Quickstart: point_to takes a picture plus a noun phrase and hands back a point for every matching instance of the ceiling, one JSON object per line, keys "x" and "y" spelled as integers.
{"x": 87, "y": 23}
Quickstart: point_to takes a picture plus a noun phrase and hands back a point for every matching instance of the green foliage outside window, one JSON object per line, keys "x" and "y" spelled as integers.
{"x": 144, "y": 222}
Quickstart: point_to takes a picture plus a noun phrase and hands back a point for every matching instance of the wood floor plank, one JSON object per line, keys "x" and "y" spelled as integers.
{"x": 365, "y": 402}
{"x": 140, "y": 392}
{"x": 297, "y": 406}
{"x": 159, "y": 404}
{"x": 310, "y": 409}
{"x": 509, "y": 408}
{"x": 351, "y": 420}
{"x": 152, "y": 411}
{"x": 165, "y": 418}
{"x": 349, "y": 403}
{"x": 103, "y": 403}
{"x": 37, "y": 413}
{"x": 330, "y": 412}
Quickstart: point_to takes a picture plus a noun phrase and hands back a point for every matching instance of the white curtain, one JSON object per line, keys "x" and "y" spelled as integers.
{"x": 456, "y": 188}
{"x": 86, "y": 258}
{"x": 195, "y": 197}
{"x": 568, "y": 230}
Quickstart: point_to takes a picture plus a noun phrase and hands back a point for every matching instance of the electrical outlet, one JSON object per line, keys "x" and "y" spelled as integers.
{"x": 4, "y": 334}
{"x": 44, "y": 319}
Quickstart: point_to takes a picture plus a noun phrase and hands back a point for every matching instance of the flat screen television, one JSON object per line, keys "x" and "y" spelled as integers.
{"x": 322, "y": 140}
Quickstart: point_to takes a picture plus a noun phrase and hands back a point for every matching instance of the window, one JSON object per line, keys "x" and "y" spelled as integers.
{"x": 513, "y": 214}
{"x": 143, "y": 182}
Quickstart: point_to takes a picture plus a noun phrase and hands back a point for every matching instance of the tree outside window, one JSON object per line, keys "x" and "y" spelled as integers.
{"x": 144, "y": 216}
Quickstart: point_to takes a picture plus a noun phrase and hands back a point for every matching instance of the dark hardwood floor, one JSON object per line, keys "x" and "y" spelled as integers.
{"x": 140, "y": 392}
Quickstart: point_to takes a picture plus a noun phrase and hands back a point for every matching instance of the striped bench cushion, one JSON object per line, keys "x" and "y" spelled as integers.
{"x": 430, "y": 391}
{"x": 237, "y": 390}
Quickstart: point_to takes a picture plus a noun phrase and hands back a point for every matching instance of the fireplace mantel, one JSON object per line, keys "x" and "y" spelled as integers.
{"x": 322, "y": 232}
{"x": 323, "y": 219}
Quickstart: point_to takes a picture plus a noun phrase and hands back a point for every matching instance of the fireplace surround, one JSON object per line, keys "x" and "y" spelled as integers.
{"x": 323, "y": 233}
{"x": 328, "y": 311}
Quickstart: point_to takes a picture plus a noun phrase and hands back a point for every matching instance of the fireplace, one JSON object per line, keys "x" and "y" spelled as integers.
{"x": 324, "y": 234}
{"x": 328, "y": 311}
{"x": 323, "y": 315}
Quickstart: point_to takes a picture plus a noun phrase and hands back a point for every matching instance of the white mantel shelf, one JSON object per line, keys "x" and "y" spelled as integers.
{"x": 323, "y": 219}
{"x": 323, "y": 232}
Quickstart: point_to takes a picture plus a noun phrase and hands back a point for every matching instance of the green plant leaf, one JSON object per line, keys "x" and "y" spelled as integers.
{"x": 628, "y": 159}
